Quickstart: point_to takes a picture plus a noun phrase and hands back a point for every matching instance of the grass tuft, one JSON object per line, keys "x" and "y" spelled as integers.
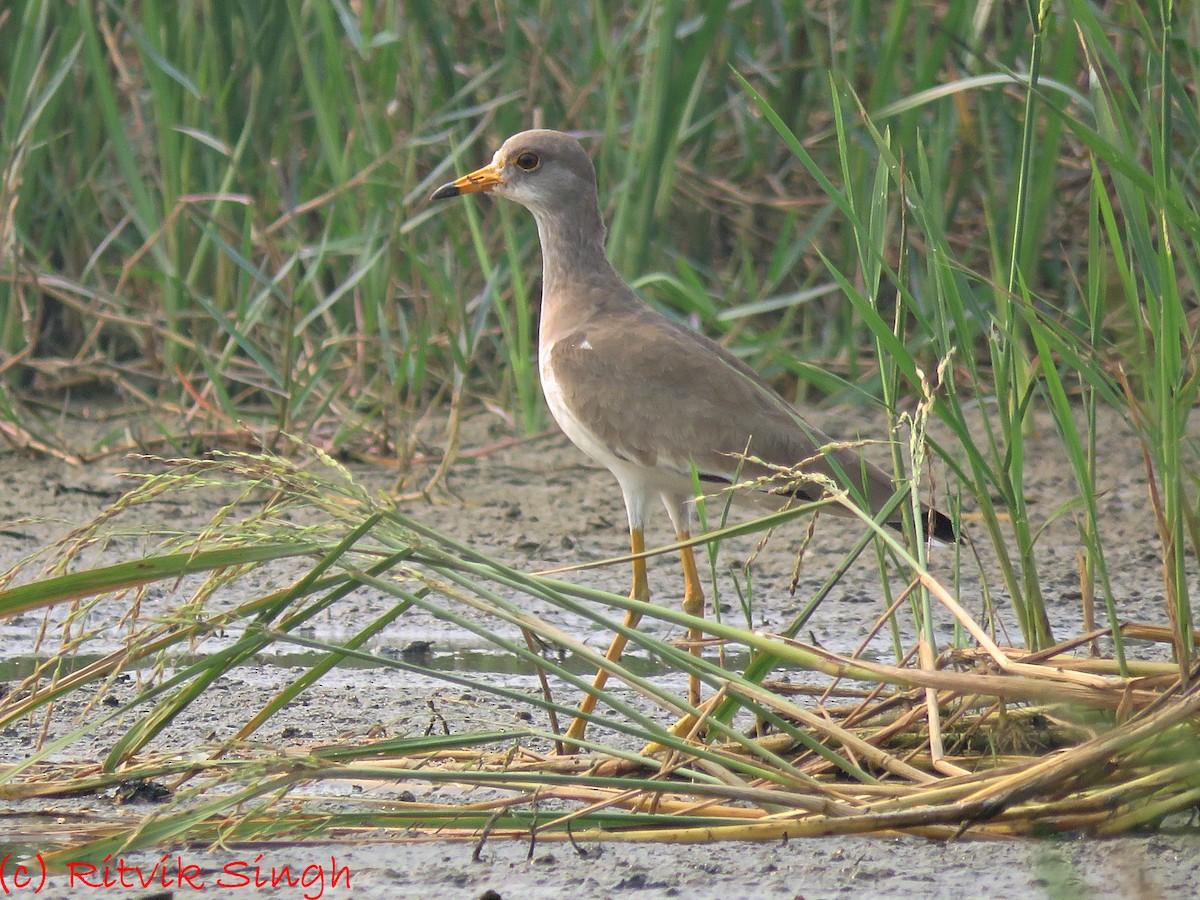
{"x": 850, "y": 766}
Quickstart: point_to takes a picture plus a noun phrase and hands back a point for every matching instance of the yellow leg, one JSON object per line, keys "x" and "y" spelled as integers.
{"x": 639, "y": 591}
{"x": 693, "y": 605}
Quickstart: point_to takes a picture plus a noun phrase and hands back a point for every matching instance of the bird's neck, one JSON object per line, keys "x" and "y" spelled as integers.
{"x": 572, "y": 250}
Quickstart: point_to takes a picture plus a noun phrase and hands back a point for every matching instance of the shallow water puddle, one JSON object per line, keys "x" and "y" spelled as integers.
{"x": 480, "y": 660}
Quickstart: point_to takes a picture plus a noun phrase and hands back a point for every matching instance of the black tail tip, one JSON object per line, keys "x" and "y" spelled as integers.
{"x": 940, "y": 527}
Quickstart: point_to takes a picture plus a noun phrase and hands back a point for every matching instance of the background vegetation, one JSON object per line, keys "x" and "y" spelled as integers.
{"x": 217, "y": 215}
{"x": 220, "y": 216}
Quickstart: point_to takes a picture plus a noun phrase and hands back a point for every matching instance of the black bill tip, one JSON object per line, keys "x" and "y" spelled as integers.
{"x": 446, "y": 190}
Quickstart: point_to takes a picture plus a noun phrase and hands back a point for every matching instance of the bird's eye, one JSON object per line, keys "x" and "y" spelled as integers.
{"x": 528, "y": 162}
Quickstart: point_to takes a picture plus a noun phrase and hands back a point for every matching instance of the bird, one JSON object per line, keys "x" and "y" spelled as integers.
{"x": 654, "y": 401}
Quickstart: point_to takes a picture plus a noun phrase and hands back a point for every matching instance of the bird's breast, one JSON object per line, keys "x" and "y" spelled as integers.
{"x": 568, "y": 419}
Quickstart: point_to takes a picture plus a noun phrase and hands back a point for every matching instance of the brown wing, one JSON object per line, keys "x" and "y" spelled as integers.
{"x": 671, "y": 396}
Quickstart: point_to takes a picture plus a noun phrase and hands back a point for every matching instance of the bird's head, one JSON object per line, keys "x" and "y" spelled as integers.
{"x": 545, "y": 171}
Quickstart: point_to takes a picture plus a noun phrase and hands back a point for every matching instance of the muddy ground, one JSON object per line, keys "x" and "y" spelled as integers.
{"x": 539, "y": 505}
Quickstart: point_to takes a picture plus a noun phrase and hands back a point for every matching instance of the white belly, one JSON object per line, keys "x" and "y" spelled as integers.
{"x": 581, "y": 436}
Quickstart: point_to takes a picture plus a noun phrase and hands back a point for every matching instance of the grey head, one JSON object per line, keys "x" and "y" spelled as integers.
{"x": 547, "y": 172}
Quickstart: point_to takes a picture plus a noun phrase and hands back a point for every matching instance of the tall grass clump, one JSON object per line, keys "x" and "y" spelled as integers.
{"x": 1116, "y": 325}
